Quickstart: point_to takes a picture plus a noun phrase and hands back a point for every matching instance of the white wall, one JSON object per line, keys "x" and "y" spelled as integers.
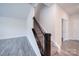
{"x": 15, "y": 10}
{"x": 57, "y": 21}
{"x": 74, "y": 28}
{"x": 11, "y": 27}
{"x": 50, "y": 19}
{"x": 62, "y": 15}
{"x": 15, "y": 21}
{"x": 43, "y": 15}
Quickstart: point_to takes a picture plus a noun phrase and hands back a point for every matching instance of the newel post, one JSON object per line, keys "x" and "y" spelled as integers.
{"x": 47, "y": 41}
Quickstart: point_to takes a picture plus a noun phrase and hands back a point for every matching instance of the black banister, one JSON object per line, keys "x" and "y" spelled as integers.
{"x": 42, "y": 31}
{"x": 47, "y": 39}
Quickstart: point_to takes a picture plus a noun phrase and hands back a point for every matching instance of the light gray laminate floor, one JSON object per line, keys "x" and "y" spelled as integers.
{"x": 16, "y": 47}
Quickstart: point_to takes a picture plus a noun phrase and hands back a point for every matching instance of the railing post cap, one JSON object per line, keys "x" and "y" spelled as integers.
{"x": 47, "y": 34}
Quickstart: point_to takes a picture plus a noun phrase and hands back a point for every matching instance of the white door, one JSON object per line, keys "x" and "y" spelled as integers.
{"x": 64, "y": 29}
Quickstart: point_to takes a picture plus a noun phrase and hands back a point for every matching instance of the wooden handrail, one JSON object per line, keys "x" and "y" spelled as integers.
{"x": 41, "y": 29}
{"x": 47, "y": 39}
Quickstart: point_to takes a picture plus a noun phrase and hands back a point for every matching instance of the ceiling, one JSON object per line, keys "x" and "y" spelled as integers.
{"x": 46, "y": 4}
{"x": 70, "y": 8}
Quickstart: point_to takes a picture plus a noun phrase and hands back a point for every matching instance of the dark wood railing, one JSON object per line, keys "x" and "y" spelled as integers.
{"x": 43, "y": 39}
